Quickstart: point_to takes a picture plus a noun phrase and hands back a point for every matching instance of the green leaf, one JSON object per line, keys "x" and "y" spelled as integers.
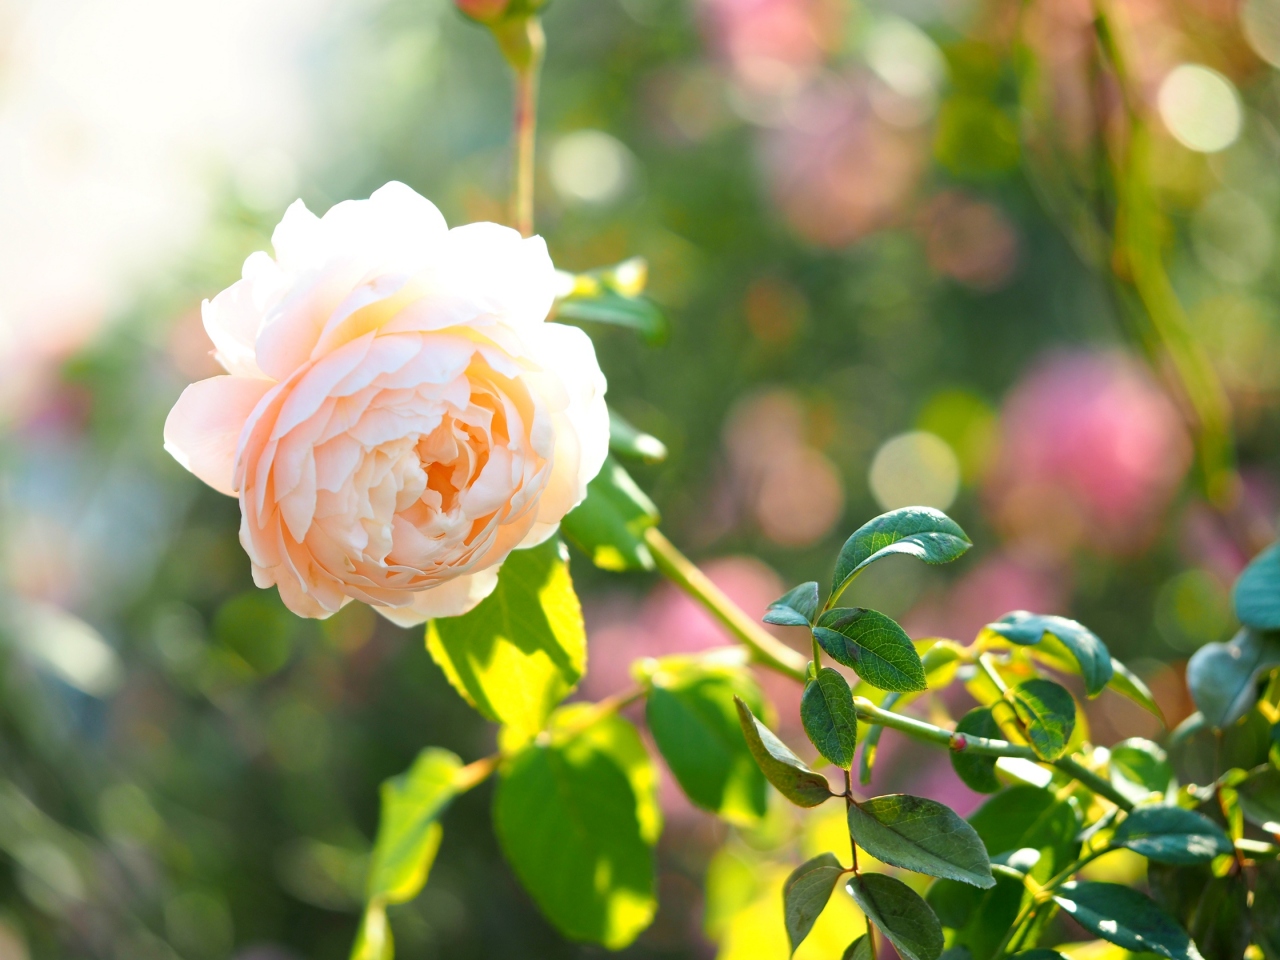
{"x": 1065, "y": 643}
{"x": 826, "y": 710}
{"x": 1257, "y": 591}
{"x": 1040, "y": 953}
{"x": 1048, "y": 714}
{"x": 796, "y": 608}
{"x": 408, "y": 826}
{"x": 916, "y": 531}
{"x": 1259, "y": 799}
{"x": 1222, "y": 677}
{"x": 626, "y": 439}
{"x": 793, "y": 779}
{"x": 806, "y": 893}
{"x": 978, "y": 772}
{"x": 1126, "y": 918}
{"x": 860, "y": 949}
{"x": 873, "y": 645}
{"x": 637, "y": 313}
{"x": 524, "y": 648}
{"x": 1213, "y": 910}
{"x": 900, "y": 914}
{"x": 1265, "y": 915}
{"x": 373, "y": 939}
{"x": 609, "y": 525}
{"x": 1130, "y": 686}
{"x": 1140, "y": 768}
{"x": 692, "y": 717}
{"x": 578, "y": 832}
{"x": 921, "y": 835}
{"x": 1169, "y": 834}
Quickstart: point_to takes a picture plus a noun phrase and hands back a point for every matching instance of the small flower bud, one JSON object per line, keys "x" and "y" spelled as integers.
{"x": 490, "y": 12}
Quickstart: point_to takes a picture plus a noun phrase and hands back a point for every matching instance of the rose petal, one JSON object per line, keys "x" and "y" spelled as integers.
{"x": 204, "y": 426}
{"x": 451, "y": 599}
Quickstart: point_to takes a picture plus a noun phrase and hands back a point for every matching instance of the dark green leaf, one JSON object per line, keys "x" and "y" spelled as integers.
{"x": 978, "y": 772}
{"x": 1265, "y": 914}
{"x": 1040, "y": 953}
{"x": 1257, "y": 591}
{"x": 1213, "y": 910}
{"x": 1048, "y": 714}
{"x": 1126, "y": 918}
{"x": 921, "y": 835}
{"x": 694, "y": 722}
{"x": 524, "y": 648}
{"x": 1259, "y": 799}
{"x": 1139, "y": 768}
{"x": 917, "y": 531}
{"x": 638, "y": 313}
{"x": 781, "y": 767}
{"x": 408, "y": 825}
{"x": 797, "y": 608}
{"x": 1026, "y": 816}
{"x": 806, "y": 893}
{"x": 900, "y": 914}
{"x": 1067, "y": 644}
{"x": 826, "y": 710}
{"x": 609, "y": 525}
{"x": 578, "y": 835}
{"x": 632, "y": 442}
{"x": 1169, "y": 834}
{"x": 980, "y": 918}
{"x": 873, "y": 645}
{"x": 860, "y": 949}
{"x": 1222, "y": 677}
{"x": 1129, "y": 685}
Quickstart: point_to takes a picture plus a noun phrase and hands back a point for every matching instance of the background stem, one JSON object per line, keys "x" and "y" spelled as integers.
{"x": 524, "y": 46}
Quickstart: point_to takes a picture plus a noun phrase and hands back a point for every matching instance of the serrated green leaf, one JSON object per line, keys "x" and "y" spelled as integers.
{"x": 920, "y": 532}
{"x": 373, "y": 939}
{"x": 919, "y": 834}
{"x": 1169, "y": 834}
{"x": 576, "y": 832}
{"x": 637, "y": 313}
{"x": 796, "y": 608}
{"x": 978, "y": 772}
{"x": 830, "y": 722}
{"x": 1130, "y": 686}
{"x": 630, "y": 441}
{"x": 805, "y": 895}
{"x": 1047, "y": 712}
{"x": 1222, "y": 677}
{"x": 694, "y": 722}
{"x": 873, "y": 645}
{"x": 1069, "y": 645}
{"x": 1256, "y": 594}
{"x": 524, "y": 648}
{"x": 609, "y": 525}
{"x": 408, "y": 825}
{"x": 1259, "y": 799}
{"x": 1139, "y": 768}
{"x": 860, "y": 949}
{"x": 787, "y": 772}
{"x": 1125, "y": 917}
{"x": 900, "y": 914}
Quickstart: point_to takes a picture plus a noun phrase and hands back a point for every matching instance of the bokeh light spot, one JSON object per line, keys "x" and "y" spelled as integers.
{"x": 589, "y": 166}
{"x": 1200, "y": 107}
{"x": 915, "y": 469}
{"x": 1232, "y": 237}
{"x": 1192, "y": 609}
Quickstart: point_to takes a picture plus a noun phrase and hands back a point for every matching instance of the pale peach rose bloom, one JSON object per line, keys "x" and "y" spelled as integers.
{"x": 398, "y": 416}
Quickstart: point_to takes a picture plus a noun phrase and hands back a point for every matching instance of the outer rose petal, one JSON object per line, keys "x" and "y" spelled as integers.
{"x": 450, "y": 599}
{"x": 204, "y": 426}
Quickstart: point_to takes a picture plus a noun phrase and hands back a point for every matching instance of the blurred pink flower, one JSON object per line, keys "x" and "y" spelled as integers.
{"x": 969, "y": 240}
{"x": 1091, "y": 453}
{"x": 836, "y": 170}
{"x": 772, "y": 46}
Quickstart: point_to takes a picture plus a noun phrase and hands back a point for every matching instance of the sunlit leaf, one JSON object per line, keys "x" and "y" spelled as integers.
{"x": 1047, "y": 712}
{"x": 1139, "y": 768}
{"x": 1169, "y": 834}
{"x": 900, "y": 914}
{"x": 609, "y": 525}
{"x": 1130, "y": 686}
{"x": 1222, "y": 676}
{"x": 920, "y": 532}
{"x": 373, "y": 939}
{"x": 806, "y": 893}
{"x": 923, "y": 835}
{"x": 1068, "y": 644}
{"x": 873, "y": 645}
{"x": 787, "y": 772}
{"x": 408, "y": 825}
{"x": 796, "y": 608}
{"x": 826, "y": 710}
{"x": 1125, "y": 917}
{"x": 524, "y": 648}
{"x": 1257, "y": 591}
{"x": 637, "y": 313}
{"x": 629, "y": 441}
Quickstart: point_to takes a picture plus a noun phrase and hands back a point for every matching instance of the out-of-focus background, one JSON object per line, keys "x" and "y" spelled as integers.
{"x": 880, "y": 229}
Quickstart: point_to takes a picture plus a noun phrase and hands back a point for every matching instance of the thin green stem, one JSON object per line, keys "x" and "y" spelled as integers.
{"x": 766, "y": 649}
{"x": 524, "y": 45}
{"x": 1078, "y": 771}
{"x": 922, "y": 730}
{"x": 1025, "y": 915}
